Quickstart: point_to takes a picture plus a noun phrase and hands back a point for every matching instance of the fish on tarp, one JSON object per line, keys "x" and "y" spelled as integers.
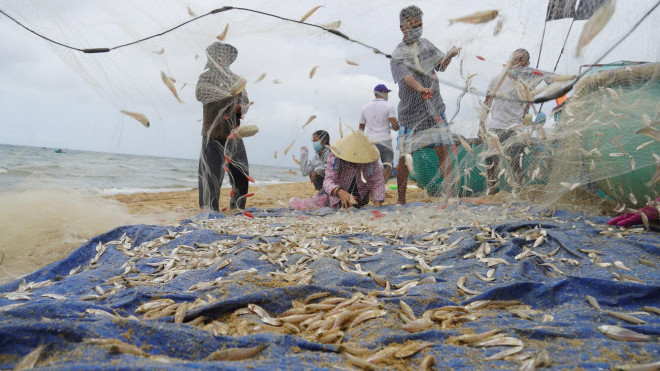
{"x": 478, "y": 17}
{"x": 170, "y": 85}
{"x": 263, "y": 75}
{"x": 190, "y": 12}
{"x": 595, "y": 24}
{"x": 161, "y": 51}
{"x": 138, "y": 116}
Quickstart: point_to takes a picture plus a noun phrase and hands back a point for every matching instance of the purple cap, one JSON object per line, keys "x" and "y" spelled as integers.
{"x": 382, "y": 88}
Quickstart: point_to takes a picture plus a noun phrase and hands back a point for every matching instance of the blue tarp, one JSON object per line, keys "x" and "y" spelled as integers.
{"x": 561, "y": 321}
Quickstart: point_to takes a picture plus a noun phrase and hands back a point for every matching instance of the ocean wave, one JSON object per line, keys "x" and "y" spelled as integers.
{"x": 124, "y": 191}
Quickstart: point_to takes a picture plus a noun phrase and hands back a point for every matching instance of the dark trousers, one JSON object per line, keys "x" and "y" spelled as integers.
{"x": 515, "y": 151}
{"x": 211, "y": 172}
{"x": 318, "y": 182}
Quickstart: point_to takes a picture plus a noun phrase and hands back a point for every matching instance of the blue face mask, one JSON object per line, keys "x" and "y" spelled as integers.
{"x": 317, "y": 146}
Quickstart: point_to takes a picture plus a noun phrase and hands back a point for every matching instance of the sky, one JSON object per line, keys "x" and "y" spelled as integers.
{"x": 55, "y": 97}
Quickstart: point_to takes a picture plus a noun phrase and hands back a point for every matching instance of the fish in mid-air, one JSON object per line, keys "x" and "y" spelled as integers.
{"x": 308, "y": 14}
{"x": 313, "y": 71}
{"x": 478, "y": 17}
{"x": 332, "y": 25}
{"x": 310, "y": 119}
{"x": 138, "y": 116}
{"x": 170, "y": 85}
{"x": 222, "y": 36}
{"x": 595, "y": 24}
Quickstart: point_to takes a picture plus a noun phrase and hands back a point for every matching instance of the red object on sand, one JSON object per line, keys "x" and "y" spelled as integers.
{"x": 248, "y": 214}
{"x": 443, "y": 207}
{"x": 224, "y": 209}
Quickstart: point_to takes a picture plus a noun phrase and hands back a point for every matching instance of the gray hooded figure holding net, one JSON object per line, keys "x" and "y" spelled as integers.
{"x": 225, "y": 101}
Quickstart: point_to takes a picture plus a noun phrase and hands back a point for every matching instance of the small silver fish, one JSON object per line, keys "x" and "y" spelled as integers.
{"x": 286, "y": 150}
{"x": 478, "y": 17}
{"x": 138, "y": 116}
{"x": 309, "y": 13}
{"x": 170, "y": 85}
{"x": 332, "y": 25}
{"x": 309, "y": 120}
{"x": 595, "y": 24}
{"x": 223, "y": 35}
{"x": 30, "y": 359}
{"x": 313, "y": 71}
{"x": 620, "y": 333}
{"x": 649, "y": 131}
{"x": 190, "y": 12}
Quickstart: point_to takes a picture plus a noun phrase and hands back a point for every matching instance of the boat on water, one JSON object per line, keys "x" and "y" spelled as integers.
{"x": 59, "y": 150}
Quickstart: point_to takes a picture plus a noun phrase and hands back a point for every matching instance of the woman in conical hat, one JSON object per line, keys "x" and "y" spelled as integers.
{"x": 353, "y": 175}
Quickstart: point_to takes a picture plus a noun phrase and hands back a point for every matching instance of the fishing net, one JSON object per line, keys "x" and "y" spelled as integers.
{"x": 241, "y": 86}
{"x": 314, "y": 69}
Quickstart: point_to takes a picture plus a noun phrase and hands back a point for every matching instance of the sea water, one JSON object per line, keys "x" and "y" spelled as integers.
{"x": 113, "y": 173}
{"x": 52, "y": 201}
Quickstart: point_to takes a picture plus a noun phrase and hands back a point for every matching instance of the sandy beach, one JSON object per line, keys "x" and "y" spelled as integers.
{"x": 265, "y": 196}
{"x": 69, "y": 219}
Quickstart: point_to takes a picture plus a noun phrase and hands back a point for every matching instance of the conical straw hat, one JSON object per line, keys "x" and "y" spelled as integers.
{"x": 355, "y": 147}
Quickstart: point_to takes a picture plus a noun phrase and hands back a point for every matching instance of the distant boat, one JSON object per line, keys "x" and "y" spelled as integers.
{"x": 59, "y": 150}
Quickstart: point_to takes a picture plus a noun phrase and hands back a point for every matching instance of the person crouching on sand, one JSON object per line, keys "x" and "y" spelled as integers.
{"x": 315, "y": 167}
{"x": 353, "y": 175}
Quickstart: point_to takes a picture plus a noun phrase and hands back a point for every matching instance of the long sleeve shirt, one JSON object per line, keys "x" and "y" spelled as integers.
{"x": 341, "y": 174}
{"x": 316, "y": 164}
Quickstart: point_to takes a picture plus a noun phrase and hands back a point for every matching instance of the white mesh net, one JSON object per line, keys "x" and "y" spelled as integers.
{"x": 318, "y": 74}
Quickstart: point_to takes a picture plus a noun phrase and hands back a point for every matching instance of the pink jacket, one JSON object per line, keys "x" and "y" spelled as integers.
{"x": 341, "y": 173}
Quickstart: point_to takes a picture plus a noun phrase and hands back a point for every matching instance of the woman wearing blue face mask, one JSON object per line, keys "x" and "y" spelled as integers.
{"x": 315, "y": 167}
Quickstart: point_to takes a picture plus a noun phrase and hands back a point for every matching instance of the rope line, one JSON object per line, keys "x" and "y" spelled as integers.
{"x": 553, "y": 95}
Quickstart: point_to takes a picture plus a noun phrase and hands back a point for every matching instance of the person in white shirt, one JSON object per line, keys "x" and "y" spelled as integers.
{"x": 376, "y": 120}
{"x": 507, "y": 115}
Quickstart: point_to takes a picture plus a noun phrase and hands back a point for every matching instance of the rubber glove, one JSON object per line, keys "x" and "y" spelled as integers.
{"x": 539, "y": 119}
{"x": 628, "y": 219}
